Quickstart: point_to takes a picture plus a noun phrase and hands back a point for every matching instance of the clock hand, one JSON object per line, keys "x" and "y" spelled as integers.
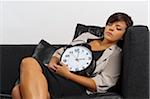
{"x": 73, "y": 55}
{"x": 81, "y": 58}
{"x": 78, "y": 55}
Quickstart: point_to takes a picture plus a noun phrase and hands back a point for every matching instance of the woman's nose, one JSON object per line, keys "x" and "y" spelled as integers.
{"x": 112, "y": 27}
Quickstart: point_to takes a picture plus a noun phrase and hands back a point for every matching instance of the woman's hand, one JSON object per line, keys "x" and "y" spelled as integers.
{"x": 52, "y": 63}
{"x": 51, "y": 66}
{"x": 62, "y": 70}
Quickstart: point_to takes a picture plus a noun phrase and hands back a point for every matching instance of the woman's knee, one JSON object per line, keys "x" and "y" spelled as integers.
{"x": 15, "y": 89}
{"x": 29, "y": 63}
{"x": 16, "y": 92}
{"x": 28, "y": 60}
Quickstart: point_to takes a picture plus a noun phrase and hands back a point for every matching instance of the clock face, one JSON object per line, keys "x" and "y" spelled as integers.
{"x": 77, "y": 58}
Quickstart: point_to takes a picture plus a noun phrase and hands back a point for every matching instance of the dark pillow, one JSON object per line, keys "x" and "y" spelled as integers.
{"x": 81, "y": 28}
{"x": 44, "y": 51}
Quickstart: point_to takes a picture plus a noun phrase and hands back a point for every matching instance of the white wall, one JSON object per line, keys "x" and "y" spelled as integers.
{"x": 26, "y": 22}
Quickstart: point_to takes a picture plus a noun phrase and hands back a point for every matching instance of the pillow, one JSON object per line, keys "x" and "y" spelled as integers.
{"x": 81, "y": 28}
{"x": 44, "y": 51}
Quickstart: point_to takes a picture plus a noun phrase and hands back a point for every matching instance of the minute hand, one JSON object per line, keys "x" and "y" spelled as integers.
{"x": 73, "y": 55}
{"x": 82, "y": 58}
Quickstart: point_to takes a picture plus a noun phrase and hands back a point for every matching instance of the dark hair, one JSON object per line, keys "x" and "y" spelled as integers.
{"x": 119, "y": 16}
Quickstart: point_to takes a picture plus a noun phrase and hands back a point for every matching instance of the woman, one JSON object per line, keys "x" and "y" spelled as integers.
{"x": 40, "y": 82}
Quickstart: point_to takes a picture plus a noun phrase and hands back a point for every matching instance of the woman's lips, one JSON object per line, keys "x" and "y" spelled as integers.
{"x": 109, "y": 34}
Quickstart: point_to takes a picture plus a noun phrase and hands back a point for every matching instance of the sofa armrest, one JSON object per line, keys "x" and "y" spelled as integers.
{"x": 10, "y": 57}
{"x": 135, "y": 74}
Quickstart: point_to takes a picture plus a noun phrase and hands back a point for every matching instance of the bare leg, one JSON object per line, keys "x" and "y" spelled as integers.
{"x": 33, "y": 84}
{"x": 16, "y": 92}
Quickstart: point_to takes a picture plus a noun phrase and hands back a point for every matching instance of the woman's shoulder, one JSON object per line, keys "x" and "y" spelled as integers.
{"x": 88, "y": 34}
{"x": 116, "y": 48}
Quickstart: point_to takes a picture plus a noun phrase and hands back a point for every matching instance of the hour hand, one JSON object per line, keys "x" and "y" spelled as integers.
{"x": 78, "y": 54}
{"x": 84, "y": 58}
{"x": 81, "y": 58}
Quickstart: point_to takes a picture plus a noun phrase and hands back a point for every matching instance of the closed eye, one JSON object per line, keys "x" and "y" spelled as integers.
{"x": 119, "y": 29}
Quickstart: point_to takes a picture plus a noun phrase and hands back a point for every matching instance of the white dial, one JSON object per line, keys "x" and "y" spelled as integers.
{"x": 77, "y": 58}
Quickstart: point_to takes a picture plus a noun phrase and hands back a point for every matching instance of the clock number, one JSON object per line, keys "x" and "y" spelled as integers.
{"x": 83, "y": 67}
{"x": 76, "y": 50}
{"x": 77, "y": 69}
{"x": 82, "y": 50}
{"x": 71, "y": 52}
{"x": 87, "y": 63}
{"x": 67, "y": 55}
{"x": 64, "y": 60}
{"x": 89, "y": 58}
{"x": 87, "y": 53}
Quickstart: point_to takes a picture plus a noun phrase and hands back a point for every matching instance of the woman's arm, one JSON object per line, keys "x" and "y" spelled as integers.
{"x": 85, "y": 81}
{"x": 110, "y": 73}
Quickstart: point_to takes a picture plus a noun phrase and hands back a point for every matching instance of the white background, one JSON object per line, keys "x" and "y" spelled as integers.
{"x": 27, "y": 22}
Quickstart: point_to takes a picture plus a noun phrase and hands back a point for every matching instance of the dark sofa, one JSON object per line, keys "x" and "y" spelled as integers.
{"x": 134, "y": 79}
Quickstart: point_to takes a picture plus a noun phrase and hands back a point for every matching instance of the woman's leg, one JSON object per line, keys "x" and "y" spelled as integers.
{"x": 33, "y": 84}
{"x": 16, "y": 92}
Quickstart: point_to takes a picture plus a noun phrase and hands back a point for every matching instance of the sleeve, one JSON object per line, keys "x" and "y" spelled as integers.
{"x": 59, "y": 52}
{"x": 109, "y": 75}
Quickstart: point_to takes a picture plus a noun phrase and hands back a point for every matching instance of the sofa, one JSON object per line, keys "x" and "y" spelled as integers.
{"x": 134, "y": 78}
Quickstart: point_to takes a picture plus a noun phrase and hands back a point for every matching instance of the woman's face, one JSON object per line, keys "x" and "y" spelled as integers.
{"x": 115, "y": 31}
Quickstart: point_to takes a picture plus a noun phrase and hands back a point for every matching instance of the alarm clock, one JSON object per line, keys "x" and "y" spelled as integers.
{"x": 78, "y": 58}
